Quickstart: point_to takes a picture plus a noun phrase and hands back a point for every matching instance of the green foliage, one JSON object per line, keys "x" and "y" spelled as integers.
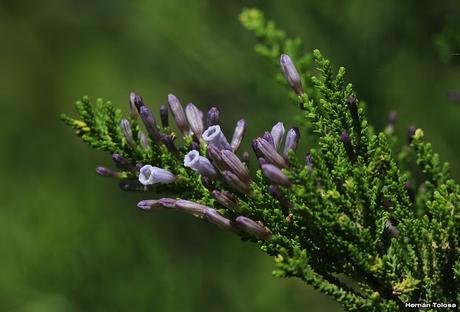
{"x": 351, "y": 228}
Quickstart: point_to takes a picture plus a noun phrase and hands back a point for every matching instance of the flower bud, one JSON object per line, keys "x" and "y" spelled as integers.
{"x": 144, "y": 141}
{"x": 164, "y": 116}
{"x": 150, "y": 124}
{"x": 269, "y": 138}
{"x": 261, "y": 161}
{"x": 132, "y": 105}
{"x": 235, "y": 182}
{"x": 137, "y": 100}
{"x": 109, "y": 173}
{"x": 291, "y": 74}
{"x": 255, "y": 148}
{"x": 168, "y": 142}
{"x": 277, "y": 134}
{"x": 195, "y": 119}
{"x": 149, "y": 175}
{"x": 353, "y": 108}
{"x": 214, "y": 217}
{"x": 128, "y": 133}
{"x": 192, "y": 208}
{"x": 238, "y": 134}
{"x": 276, "y": 193}
{"x": 292, "y": 139}
{"x": 275, "y": 175}
{"x": 200, "y": 164}
{"x": 392, "y": 230}
{"x": 253, "y": 228}
{"x": 179, "y": 115}
{"x": 309, "y": 161}
{"x": 123, "y": 163}
{"x": 226, "y": 199}
{"x": 234, "y": 163}
{"x": 215, "y": 156}
{"x": 214, "y": 135}
{"x": 213, "y": 116}
{"x": 149, "y": 204}
{"x": 167, "y": 202}
{"x": 270, "y": 154}
{"x": 348, "y": 147}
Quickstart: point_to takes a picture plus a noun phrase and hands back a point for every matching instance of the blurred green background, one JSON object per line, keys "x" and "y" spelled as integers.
{"x": 71, "y": 241}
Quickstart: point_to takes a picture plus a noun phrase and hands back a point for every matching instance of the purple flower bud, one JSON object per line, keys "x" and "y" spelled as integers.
{"x": 245, "y": 158}
{"x": 277, "y": 134}
{"x": 123, "y": 163}
{"x": 353, "y": 108}
{"x": 132, "y": 186}
{"x": 128, "y": 133}
{"x": 392, "y": 230}
{"x": 150, "y": 124}
{"x": 214, "y": 217}
{"x": 136, "y": 100}
{"x": 149, "y": 175}
{"x": 309, "y": 161}
{"x": 215, "y": 156}
{"x": 194, "y": 146}
{"x": 234, "y": 163}
{"x": 348, "y": 147}
{"x": 109, "y": 173}
{"x": 168, "y": 142}
{"x": 213, "y": 116}
{"x": 192, "y": 208}
{"x": 292, "y": 139}
{"x": 200, "y": 164}
{"x": 291, "y": 74}
{"x": 410, "y": 134}
{"x": 238, "y": 134}
{"x": 195, "y": 119}
{"x": 179, "y": 115}
{"x": 144, "y": 141}
{"x": 270, "y": 154}
{"x": 269, "y": 138}
{"x": 149, "y": 204}
{"x": 214, "y": 135}
{"x": 256, "y": 149}
{"x": 226, "y": 199}
{"x": 275, "y": 175}
{"x": 235, "y": 182}
{"x": 164, "y": 116}
{"x": 253, "y": 228}
{"x": 276, "y": 193}
{"x": 132, "y": 105}
{"x": 167, "y": 202}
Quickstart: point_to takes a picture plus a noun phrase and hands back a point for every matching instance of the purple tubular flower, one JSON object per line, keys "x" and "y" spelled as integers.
{"x": 179, "y": 115}
{"x": 164, "y": 116}
{"x": 149, "y": 175}
{"x": 132, "y": 105}
{"x": 214, "y": 217}
{"x": 392, "y": 230}
{"x": 213, "y": 116}
{"x": 123, "y": 163}
{"x": 192, "y": 208}
{"x": 270, "y": 154}
{"x": 277, "y": 134}
{"x": 149, "y": 204}
{"x": 138, "y": 101}
{"x": 214, "y": 154}
{"x": 234, "y": 163}
{"x": 253, "y": 228}
{"x": 167, "y": 202}
{"x": 144, "y": 141}
{"x": 276, "y": 193}
{"x": 235, "y": 182}
{"x": 132, "y": 186}
{"x": 275, "y": 175}
{"x": 292, "y": 139}
{"x": 150, "y": 124}
{"x": 168, "y": 142}
{"x": 214, "y": 135}
{"x": 348, "y": 147}
{"x": 410, "y": 134}
{"x": 200, "y": 164}
{"x": 238, "y": 134}
{"x": 109, "y": 173}
{"x": 128, "y": 133}
{"x": 269, "y": 138}
{"x": 226, "y": 199}
{"x": 195, "y": 119}
{"x": 291, "y": 74}
{"x": 309, "y": 161}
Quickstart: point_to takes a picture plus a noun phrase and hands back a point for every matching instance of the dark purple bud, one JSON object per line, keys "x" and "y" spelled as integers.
{"x": 194, "y": 146}
{"x": 226, "y": 199}
{"x": 238, "y": 134}
{"x": 214, "y": 217}
{"x": 235, "y": 182}
{"x": 309, "y": 161}
{"x": 123, "y": 163}
{"x": 150, "y": 124}
{"x": 144, "y": 141}
{"x": 200, "y": 164}
{"x": 410, "y": 134}
{"x": 275, "y": 175}
{"x": 270, "y": 154}
{"x": 109, "y": 173}
{"x": 214, "y": 135}
{"x": 215, "y": 156}
{"x": 132, "y": 105}
{"x": 277, "y": 134}
{"x": 410, "y": 190}
{"x": 167, "y": 202}
{"x": 253, "y": 228}
{"x": 269, "y": 138}
{"x": 164, "y": 116}
{"x": 276, "y": 193}
{"x": 132, "y": 186}
{"x": 291, "y": 74}
{"x": 138, "y": 101}
{"x": 353, "y": 107}
{"x": 195, "y": 119}
{"x": 292, "y": 139}
{"x": 179, "y": 114}
{"x": 234, "y": 163}
{"x": 392, "y": 230}
{"x": 149, "y": 204}
{"x": 168, "y": 142}
{"x": 348, "y": 147}
{"x": 128, "y": 133}
{"x": 192, "y": 208}
{"x": 245, "y": 158}
{"x": 255, "y": 148}
{"x": 213, "y": 116}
